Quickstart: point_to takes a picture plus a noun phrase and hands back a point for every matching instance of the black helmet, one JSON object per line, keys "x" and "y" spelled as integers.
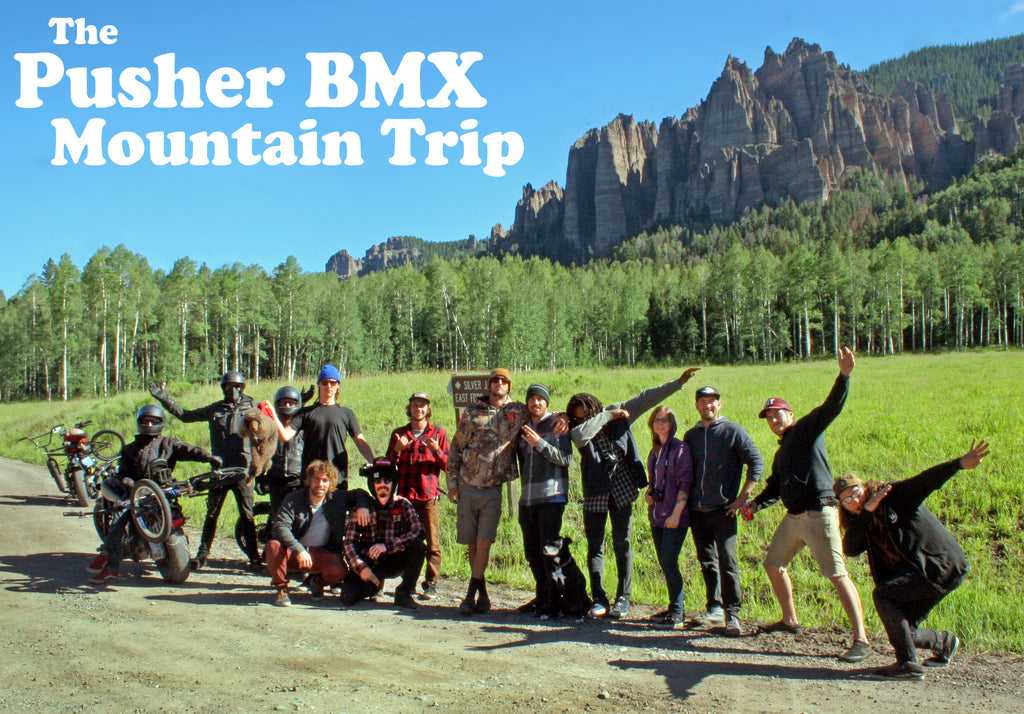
{"x": 380, "y": 469}
{"x": 290, "y": 393}
{"x": 154, "y": 416}
{"x": 231, "y": 392}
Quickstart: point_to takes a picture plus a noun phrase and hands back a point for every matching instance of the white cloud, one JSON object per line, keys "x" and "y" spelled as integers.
{"x": 1016, "y": 9}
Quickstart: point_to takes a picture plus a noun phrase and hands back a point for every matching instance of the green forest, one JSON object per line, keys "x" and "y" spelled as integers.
{"x": 876, "y": 266}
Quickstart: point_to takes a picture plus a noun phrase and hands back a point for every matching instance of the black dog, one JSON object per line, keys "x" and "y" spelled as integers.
{"x": 567, "y": 589}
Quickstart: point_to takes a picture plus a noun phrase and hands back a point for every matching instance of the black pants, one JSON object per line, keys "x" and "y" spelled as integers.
{"x": 541, "y": 524}
{"x": 714, "y": 535}
{"x": 408, "y": 563}
{"x": 622, "y": 536}
{"x": 902, "y": 603}
{"x": 245, "y": 498}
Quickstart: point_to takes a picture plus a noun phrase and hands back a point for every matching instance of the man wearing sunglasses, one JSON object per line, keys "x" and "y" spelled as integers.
{"x": 391, "y": 544}
{"x": 325, "y": 426}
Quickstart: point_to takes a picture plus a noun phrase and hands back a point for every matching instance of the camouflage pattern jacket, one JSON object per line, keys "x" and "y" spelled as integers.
{"x": 483, "y": 451}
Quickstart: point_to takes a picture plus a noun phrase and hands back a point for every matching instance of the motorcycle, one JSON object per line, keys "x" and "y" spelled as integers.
{"x": 86, "y": 457}
{"x": 156, "y": 522}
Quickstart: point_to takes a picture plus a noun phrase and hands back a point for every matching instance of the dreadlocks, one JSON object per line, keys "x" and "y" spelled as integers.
{"x": 591, "y": 406}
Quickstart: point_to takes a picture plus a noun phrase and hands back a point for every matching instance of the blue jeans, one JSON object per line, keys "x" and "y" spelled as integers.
{"x": 668, "y": 543}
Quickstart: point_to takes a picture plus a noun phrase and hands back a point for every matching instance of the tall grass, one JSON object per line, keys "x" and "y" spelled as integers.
{"x": 903, "y": 415}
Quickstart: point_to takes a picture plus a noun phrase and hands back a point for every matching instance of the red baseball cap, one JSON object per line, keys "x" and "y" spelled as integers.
{"x": 774, "y": 403}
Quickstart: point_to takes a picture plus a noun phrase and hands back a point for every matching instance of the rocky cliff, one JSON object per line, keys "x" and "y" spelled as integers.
{"x": 791, "y": 129}
{"x": 393, "y": 253}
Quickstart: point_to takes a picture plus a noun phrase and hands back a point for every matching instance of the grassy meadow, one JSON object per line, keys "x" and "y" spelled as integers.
{"x": 903, "y": 415}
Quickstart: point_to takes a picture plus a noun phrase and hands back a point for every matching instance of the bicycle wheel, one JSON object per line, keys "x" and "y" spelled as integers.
{"x": 151, "y": 511}
{"x": 107, "y": 444}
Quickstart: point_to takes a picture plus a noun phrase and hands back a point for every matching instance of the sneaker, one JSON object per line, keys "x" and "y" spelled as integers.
{"x": 282, "y": 599}
{"x": 347, "y": 599}
{"x": 659, "y": 616}
{"x": 714, "y": 616}
{"x": 104, "y": 576}
{"x": 900, "y": 671}
{"x": 732, "y": 627}
{"x": 943, "y": 657}
{"x": 97, "y": 565}
{"x": 336, "y": 590}
{"x": 620, "y": 610}
{"x": 859, "y": 651}
{"x": 466, "y": 608}
{"x": 598, "y": 609}
{"x": 669, "y": 620}
{"x": 482, "y": 605}
{"x": 782, "y": 626}
{"x": 404, "y": 599}
{"x": 429, "y": 590}
{"x": 316, "y": 588}
{"x": 256, "y": 567}
{"x": 527, "y": 607}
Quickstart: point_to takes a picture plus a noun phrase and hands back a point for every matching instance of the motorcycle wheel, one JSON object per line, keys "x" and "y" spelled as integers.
{"x": 151, "y": 511}
{"x": 102, "y": 517}
{"x": 261, "y": 517}
{"x": 78, "y": 478}
{"x": 107, "y": 444}
{"x": 175, "y": 566}
{"x": 54, "y": 468}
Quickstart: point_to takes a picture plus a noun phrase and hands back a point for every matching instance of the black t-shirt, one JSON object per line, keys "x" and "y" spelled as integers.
{"x": 324, "y": 429}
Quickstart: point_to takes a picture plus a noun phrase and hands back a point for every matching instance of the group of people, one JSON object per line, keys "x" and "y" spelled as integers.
{"x": 702, "y": 481}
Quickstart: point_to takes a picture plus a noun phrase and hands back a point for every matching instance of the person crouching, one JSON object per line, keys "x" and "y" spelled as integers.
{"x": 391, "y": 544}
{"x": 308, "y": 529}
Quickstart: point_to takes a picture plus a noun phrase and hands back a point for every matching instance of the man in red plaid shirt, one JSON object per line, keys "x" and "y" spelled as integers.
{"x": 420, "y": 451}
{"x": 391, "y": 545}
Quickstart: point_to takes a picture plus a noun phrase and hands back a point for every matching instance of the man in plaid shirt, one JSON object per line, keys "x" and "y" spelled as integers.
{"x": 420, "y": 451}
{"x": 391, "y": 545}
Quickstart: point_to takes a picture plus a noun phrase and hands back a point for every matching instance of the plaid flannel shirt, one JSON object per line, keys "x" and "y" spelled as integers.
{"x": 395, "y": 524}
{"x": 419, "y": 468}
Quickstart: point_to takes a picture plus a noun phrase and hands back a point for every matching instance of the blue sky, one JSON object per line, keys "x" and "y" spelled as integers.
{"x": 549, "y": 73}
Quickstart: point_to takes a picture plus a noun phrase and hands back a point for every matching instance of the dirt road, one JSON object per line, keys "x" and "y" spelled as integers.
{"x": 216, "y": 644}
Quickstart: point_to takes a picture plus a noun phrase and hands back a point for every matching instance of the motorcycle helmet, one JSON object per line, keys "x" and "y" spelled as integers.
{"x": 150, "y": 420}
{"x": 289, "y": 394}
{"x": 232, "y": 384}
{"x": 381, "y": 469}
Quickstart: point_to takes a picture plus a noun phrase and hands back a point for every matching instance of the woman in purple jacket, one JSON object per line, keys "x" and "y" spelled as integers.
{"x": 671, "y": 476}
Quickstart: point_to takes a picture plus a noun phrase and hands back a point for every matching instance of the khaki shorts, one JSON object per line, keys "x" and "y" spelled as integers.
{"x": 819, "y": 531}
{"x": 478, "y": 512}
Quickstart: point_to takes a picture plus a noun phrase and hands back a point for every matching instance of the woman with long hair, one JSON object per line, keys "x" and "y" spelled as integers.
{"x": 671, "y": 476}
{"x": 915, "y": 562}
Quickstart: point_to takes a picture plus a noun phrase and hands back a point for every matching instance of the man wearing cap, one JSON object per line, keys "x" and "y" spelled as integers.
{"x": 391, "y": 544}
{"x": 324, "y": 426}
{"x": 225, "y": 418}
{"x": 420, "y": 452}
{"x": 544, "y": 459}
{"x": 719, "y": 449}
{"x": 482, "y": 459}
{"x": 801, "y": 477}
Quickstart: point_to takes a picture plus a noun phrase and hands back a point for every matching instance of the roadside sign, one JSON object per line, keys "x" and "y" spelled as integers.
{"x": 465, "y": 388}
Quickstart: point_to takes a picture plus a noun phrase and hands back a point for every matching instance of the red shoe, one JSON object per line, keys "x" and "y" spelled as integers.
{"x": 97, "y": 565}
{"x": 105, "y": 576}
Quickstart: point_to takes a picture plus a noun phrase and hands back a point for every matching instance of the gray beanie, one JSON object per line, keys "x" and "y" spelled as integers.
{"x": 538, "y": 390}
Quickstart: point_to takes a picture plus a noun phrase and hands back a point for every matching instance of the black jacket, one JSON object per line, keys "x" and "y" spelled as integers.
{"x": 903, "y": 534}
{"x": 293, "y": 518}
{"x": 719, "y": 452}
{"x": 137, "y": 455}
{"x": 800, "y": 472}
{"x": 225, "y": 420}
